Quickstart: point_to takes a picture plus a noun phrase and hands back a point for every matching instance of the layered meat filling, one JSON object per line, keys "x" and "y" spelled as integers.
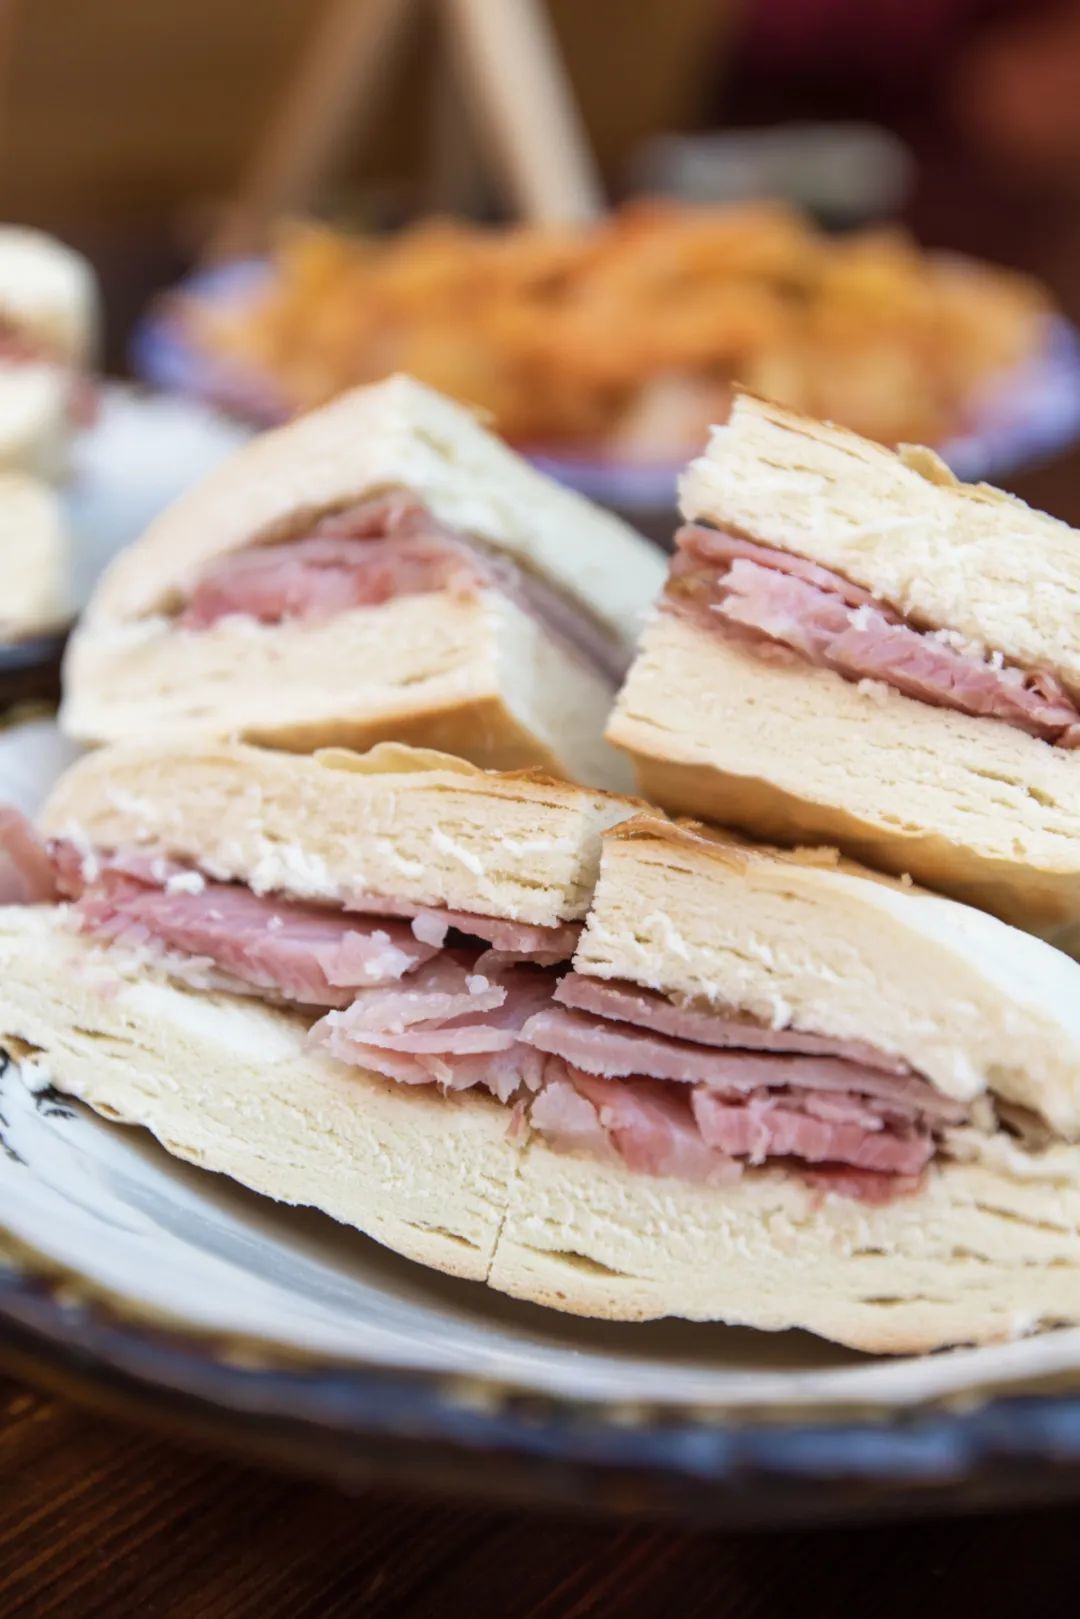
{"x": 427, "y": 996}
{"x": 771, "y": 598}
{"x": 372, "y": 553}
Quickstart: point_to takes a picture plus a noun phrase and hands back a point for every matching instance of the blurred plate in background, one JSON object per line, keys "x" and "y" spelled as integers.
{"x": 1026, "y": 415}
{"x": 141, "y": 453}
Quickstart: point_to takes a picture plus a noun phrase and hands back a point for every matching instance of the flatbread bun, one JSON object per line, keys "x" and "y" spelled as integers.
{"x": 472, "y": 675}
{"x": 987, "y": 1251}
{"x": 399, "y": 821}
{"x": 808, "y": 940}
{"x": 396, "y": 434}
{"x": 477, "y": 675}
{"x": 794, "y": 753}
{"x": 945, "y": 554}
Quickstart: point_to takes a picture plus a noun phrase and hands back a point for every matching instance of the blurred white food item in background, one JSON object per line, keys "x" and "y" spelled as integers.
{"x": 35, "y": 559}
{"x": 49, "y": 325}
{"x": 36, "y": 425}
{"x": 48, "y": 294}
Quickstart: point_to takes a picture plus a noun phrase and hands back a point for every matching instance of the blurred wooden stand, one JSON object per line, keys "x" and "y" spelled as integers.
{"x": 503, "y": 54}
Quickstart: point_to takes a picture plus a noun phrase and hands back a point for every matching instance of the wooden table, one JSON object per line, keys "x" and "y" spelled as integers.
{"x": 100, "y": 1521}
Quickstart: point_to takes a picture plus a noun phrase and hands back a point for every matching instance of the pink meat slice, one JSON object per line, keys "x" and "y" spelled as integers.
{"x": 761, "y": 1127}
{"x": 362, "y": 557}
{"x": 504, "y": 1073}
{"x": 304, "y": 953}
{"x": 629, "y": 1003}
{"x": 611, "y": 1050}
{"x": 17, "y": 347}
{"x": 694, "y": 1136}
{"x": 314, "y": 579}
{"x": 467, "y": 1031}
{"x": 793, "y": 603}
{"x": 27, "y": 876}
{"x": 649, "y": 1126}
{"x": 370, "y": 554}
{"x": 78, "y": 868}
{"x": 719, "y": 548}
{"x": 443, "y": 989}
{"x": 515, "y": 942}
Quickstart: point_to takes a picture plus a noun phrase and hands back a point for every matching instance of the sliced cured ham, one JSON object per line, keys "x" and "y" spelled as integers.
{"x": 699, "y": 548}
{"x": 600, "y": 1066}
{"x": 740, "y": 587}
{"x": 649, "y": 1126}
{"x": 304, "y": 953}
{"x": 314, "y": 579}
{"x": 614, "y": 1050}
{"x": 513, "y": 942}
{"x": 761, "y": 1127}
{"x": 450, "y": 1026}
{"x": 445, "y": 988}
{"x": 629, "y": 1003}
{"x": 370, "y": 554}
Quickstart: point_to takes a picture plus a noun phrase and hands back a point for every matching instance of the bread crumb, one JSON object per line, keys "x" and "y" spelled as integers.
{"x": 185, "y": 882}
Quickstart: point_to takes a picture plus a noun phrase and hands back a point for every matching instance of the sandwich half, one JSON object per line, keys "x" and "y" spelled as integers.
{"x": 755, "y": 1087}
{"x": 855, "y": 648}
{"x": 48, "y": 335}
{"x": 35, "y": 560}
{"x": 306, "y": 972}
{"x": 383, "y": 568}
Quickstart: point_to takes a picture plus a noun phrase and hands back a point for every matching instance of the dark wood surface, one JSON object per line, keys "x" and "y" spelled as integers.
{"x": 102, "y": 1521}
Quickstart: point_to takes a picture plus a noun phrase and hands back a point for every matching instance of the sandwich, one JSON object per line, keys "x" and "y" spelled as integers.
{"x": 48, "y": 335}
{"x": 854, "y": 648}
{"x": 304, "y": 971}
{"x": 540, "y": 1036}
{"x": 382, "y": 569}
{"x": 35, "y": 560}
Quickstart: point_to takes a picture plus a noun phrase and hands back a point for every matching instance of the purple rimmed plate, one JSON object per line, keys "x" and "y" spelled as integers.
{"x": 1025, "y": 416}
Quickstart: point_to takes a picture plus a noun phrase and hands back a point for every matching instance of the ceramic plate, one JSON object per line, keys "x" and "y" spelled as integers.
{"x": 131, "y": 1277}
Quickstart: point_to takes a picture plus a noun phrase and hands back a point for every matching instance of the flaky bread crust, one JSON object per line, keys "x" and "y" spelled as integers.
{"x": 977, "y": 1256}
{"x": 398, "y": 821}
{"x": 808, "y": 940}
{"x": 472, "y": 675}
{"x": 228, "y": 1083}
{"x": 786, "y": 751}
{"x": 395, "y": 434}
{"x": 35, "y": 558}
{"x": 985, "y": 1252}
{"x": 945, "y": 554}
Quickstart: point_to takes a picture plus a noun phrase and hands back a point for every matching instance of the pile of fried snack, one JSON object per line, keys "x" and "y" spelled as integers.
{"x": 48, "y": 334}
{"x": 350, "y": 899}
{"x": 625, "y": 337}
